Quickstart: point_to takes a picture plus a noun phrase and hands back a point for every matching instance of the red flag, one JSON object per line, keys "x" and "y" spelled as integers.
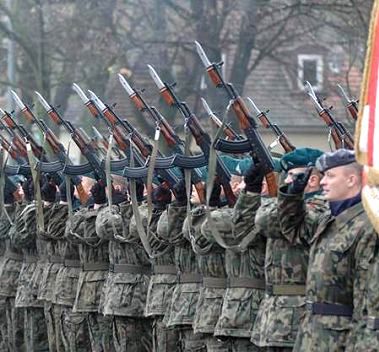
{"x": 367, "y": 133}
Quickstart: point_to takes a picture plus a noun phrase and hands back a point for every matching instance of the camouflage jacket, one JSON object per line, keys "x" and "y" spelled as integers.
{"x": 364, "y": 335}
{"x": 125, "y": 291}
{"x": 244, "y": 263}
{"x": 32, "y": 267}
{"x": 181, "y": 310}
{"x": 67, "y": 277}
{"x": 341, "y": 248}
{"x": 10, "y": 265}
{"x": 94, "y": 259}
{"x": 286, "y": 264}
{"x": 55, "y": 230}
{"x": 164, "y": 275}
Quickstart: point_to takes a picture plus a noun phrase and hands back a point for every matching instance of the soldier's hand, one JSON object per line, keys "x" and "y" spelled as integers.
{"x": 161, "y": 196}
{"x": 214, "y": 200}
{"x": 180, "y": 193}
{"x": 98, "y": 192}
{"x": 300, "y": 181}
{"x": 254, "y": 178}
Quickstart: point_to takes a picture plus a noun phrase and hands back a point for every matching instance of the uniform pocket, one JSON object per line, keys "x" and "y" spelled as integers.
{"x": 285, "y": 317}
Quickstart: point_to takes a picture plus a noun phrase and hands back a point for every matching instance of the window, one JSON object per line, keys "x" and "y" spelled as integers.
{"x": 310, "y": 68}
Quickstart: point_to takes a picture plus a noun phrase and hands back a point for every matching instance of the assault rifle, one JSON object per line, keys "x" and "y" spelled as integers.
{"x": 350, "y": 104}
{"x": 202, "y": 138}
{"x": 282, "y": 138}
{"x": 143, "y": 145}
{"x": 12, "y": 150}
{"x": 340, "y": 135}
{"x": 171, "y": 138}
{"x": 80, "y": 139}
{"x": 17, "y": 141}
{"x": 246, "y": 121}
{"x": 11, "y": 123}
{"x": 56, "y": 146}
{"x": 118, "y": 135}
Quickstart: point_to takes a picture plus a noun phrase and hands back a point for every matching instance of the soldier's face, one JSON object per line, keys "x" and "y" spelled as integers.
{"x": 336, "y": 184}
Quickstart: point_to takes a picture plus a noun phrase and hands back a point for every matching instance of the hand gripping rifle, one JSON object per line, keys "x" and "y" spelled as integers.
{"x": 282, "y": 138}
{"x": 246, "y": 121}
{"x": 56, "y": 146}
{"x": 202, "y": 138}
{"x": 80, "y": 139}
{"x": 340, "y": 135}
{"x": 144, "y": 146}
{"x": 171, "y": 138}
{"x": 350, "y": 104}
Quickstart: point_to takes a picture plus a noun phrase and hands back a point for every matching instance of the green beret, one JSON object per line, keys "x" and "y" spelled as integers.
{"x": 300, "y": 157}
{"x": 333, "y": 159}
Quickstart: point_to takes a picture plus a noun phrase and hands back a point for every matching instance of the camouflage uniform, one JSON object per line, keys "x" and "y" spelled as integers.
{"x": 338, "y": 262}
{"x": 244, "y": 263}
{"x": 55, "y": 229}
{"x": 182, "y": 308}
{"x": 70, "y": 327}
{"x": 94, "y": 259}
{"x": 10, "y": 267}
{"x": 163, "y": 278}
{"x": 35, "y": 330}
{"x": 127, "y": 281}
{"x": 365, "y": 333}
{"x": 286, "y": 263}
{"x": 5, "y": 225}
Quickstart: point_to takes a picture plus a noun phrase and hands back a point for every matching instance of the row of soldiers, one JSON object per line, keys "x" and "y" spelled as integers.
{"x": 295, "y": 272}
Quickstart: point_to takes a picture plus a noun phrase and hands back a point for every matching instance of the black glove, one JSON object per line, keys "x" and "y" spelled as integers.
{"x": 299, "y": 182}
{"x": 98, "y": 192}
{"x": 28, "y": 188}
{"x": 118, "y": 197}
{"x": 254, "y": 178}
{"x": 215, "y": 195}
{"x": 48, "y": 189}
{"x": 161, "y": 196}
{"x": 63, "y": 193}
{"x": 140, "y": 187}
{"x": 180, "y": 193}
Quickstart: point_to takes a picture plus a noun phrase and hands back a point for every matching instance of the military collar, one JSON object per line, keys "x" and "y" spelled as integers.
{"x": 349, "y": 214}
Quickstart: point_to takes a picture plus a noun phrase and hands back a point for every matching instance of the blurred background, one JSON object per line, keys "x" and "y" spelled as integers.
{"x": 268, "y": 49}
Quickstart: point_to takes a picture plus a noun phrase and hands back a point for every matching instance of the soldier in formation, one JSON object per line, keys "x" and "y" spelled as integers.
{"x": 288, "y": 263}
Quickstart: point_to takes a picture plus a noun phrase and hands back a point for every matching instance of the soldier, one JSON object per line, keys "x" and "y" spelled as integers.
{"x": 279, "y": 312}
{"x": 70, "y": 326}
{"x": 35, "y": 330}
{"x": 94, "y": 259}
{"x": 7, "y": 219}
{"x": 342, "y": 243}
{"x": 244, "y": 248}
{"x": 164, "y": 274}
{"x": 128, "y": 279}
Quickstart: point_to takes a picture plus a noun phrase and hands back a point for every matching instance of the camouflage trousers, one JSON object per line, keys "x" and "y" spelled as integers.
{"x": 191, "y": 342}
{"x": 100, "y": 332}
{"x": 53, "y": 314}
{"x": 35, "y": 331}
{"x": 165, "y": 339}
{"x": 278, "y": 349}
{"x": 72, "y": 328}
{"x": 231, "y": 344}
{"x": 14, "y": 326}
{"x": 132, "y": 334}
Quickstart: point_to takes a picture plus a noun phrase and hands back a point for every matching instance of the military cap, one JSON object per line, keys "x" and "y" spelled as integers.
{"x": 300, "y": 157}
{"x": 333, "y": 159}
